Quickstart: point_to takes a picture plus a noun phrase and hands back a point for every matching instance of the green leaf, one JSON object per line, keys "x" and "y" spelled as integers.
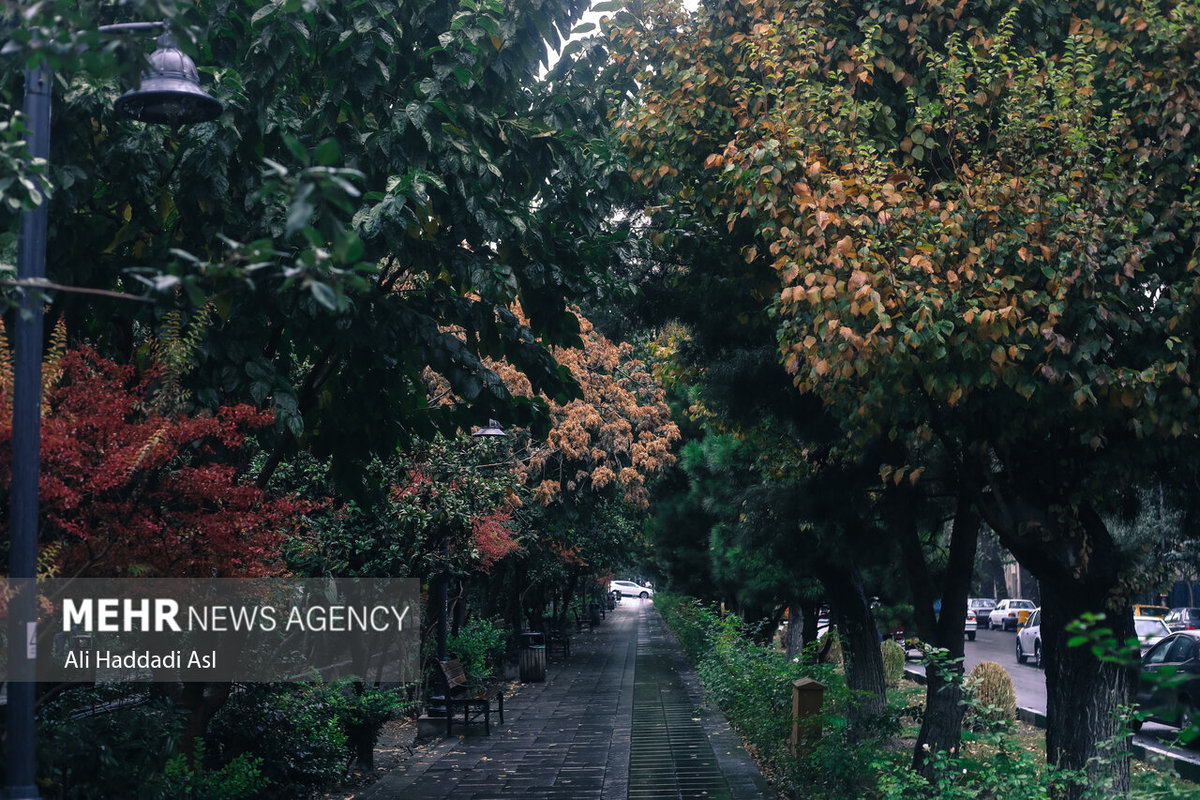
{"x": 324, "y": 295}
{"x": 328, "y": 153}
{"x": 262, "y": 13}
{"x": 348, "y": 247}
{"x": 296, "y": 148}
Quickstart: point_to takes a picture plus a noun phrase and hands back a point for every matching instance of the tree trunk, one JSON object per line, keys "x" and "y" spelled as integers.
{"x": 992, "y": 567}
{"x": 941, "y": 727}
{"x": 200, "y": 701}
{"x": 364, "y": 748}
{"x": 802, "y": 627}
{"x": 1081, "y": 570}
{"x": 860, "y": 645}
{"x": 1084, "y": 695}
{"x": 812, "y": 615}
{"x": 458, "y": 607}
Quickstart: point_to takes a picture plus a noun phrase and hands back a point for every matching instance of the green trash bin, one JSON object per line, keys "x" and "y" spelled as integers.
{"x": 531, "y": 659}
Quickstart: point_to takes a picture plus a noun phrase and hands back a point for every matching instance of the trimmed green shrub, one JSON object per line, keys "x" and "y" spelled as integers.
{"x": 893, "y": 661}
{"x": 362, "y": 712}
{"x": 480, "y": 645}
{"x": 182, "y": 779}
{"x": 993, "y": 696}
{"x": 684, "y": 618}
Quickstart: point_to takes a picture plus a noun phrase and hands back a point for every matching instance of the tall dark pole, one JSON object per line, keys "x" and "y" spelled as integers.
{"x": 26, "y": 454}
{"x": 444, "y": 600}
{"x": 443, "y": 592}
{"x": 170, "y": 94}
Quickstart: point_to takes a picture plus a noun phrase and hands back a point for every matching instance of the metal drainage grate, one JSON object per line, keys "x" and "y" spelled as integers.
{"x": 670, "y": 755}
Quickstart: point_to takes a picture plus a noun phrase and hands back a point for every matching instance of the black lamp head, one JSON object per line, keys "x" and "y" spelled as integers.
{"x": 493, "y": 429}
{"x": 170, "y": 93}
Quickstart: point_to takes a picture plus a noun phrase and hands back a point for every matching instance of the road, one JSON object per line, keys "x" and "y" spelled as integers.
{"x": 1030, "y": 683}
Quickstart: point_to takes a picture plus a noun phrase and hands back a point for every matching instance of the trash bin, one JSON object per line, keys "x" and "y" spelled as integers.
{"x": 532, "y": 657}
{"x": 594, "y": 614}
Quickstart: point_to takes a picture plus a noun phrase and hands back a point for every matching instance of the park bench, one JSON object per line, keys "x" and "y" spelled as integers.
{"x": 476, "y": 705}
{"x": 558, "y": 642}
{"x": 582, "y": 621}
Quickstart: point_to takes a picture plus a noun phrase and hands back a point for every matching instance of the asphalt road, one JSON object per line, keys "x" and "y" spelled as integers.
{"x": 1030, "y": 683}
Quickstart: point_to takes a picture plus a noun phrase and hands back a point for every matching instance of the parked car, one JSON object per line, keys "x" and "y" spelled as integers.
{"x": 1183, "y": 619}
{"x": 1029, "y": 639}
{"x": 1144, "y": 610}
{"x": 1010, "y": 614}
{"x": 981, "y": 605}
{"x": 630, "y": 589}
{"x": 1150, "y": 631}
{"x": 1172, "y": 701}
{"x": 971, "y": 625}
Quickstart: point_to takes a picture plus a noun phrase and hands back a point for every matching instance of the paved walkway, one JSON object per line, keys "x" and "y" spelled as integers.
{"x": 623, "y": 717}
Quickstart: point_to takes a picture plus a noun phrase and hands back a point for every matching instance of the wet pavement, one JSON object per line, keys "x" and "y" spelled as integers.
{"x": 622, "y": 717}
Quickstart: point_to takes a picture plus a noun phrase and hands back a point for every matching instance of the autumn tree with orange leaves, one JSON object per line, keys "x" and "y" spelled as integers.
{"x": 616, "y": 435}
{"x": 586, "y": 479}
{"x": 981, "y": 221}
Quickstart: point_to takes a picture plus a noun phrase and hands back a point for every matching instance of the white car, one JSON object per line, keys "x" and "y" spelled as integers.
{"x": 1150, "y": 631}
{"x": 1010, "y": 613}
{"x": 630, "y": 589}
{"x": 1029, "y": 639}
{"x": 971, "y": 625}
{"x": 981, "y": 605}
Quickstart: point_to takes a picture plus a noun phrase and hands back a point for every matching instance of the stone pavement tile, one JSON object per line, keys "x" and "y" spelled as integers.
{"x": 572, "y": 736}
{"x": 557, "y": 740}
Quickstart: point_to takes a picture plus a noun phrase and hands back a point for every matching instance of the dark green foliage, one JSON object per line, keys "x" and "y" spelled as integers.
{"x": 362, "y": 711}
{"x": 294, "y": 728}
{"x": 480, "y": 645}
{"x": 185, "y": 779}
{"x": 106, "y": 743}
{"x": 386, "y": 180}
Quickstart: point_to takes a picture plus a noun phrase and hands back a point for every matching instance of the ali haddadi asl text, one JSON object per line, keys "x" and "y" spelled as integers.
{"x": 108, "y": 660}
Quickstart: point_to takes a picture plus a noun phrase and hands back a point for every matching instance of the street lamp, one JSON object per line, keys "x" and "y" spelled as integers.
{"x": 493, "y": 430}
{"x": 170, "y": 93}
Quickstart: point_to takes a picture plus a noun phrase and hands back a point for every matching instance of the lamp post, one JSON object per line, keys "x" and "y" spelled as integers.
{"x": 169, "y": 94}
{"x": 493, "y": 429}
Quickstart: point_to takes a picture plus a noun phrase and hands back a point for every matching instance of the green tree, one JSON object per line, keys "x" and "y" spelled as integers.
{"x": 383, "y": 177}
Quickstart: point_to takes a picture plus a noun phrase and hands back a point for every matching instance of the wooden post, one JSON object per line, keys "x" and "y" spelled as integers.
{"x": 808, "y": 696}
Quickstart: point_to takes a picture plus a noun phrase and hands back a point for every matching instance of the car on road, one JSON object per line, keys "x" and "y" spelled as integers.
{"x": 1010, "y": 614}
{"x": 1150, "y": 631}
{"x": 1145, "y": 610}
{"x": 981, "y": 605}
{"x": 971, "y": 625}
{"x": 1169, "y": 681}
{"x": 1184, "y": 619}
{"x": 1029, "y": 639}
{"x": 630, "y": 589}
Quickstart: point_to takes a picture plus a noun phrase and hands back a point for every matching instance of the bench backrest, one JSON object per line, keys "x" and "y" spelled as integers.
{"x": 456, "y": 677}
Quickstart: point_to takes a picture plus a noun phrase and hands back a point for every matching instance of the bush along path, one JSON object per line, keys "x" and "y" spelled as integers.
{"x": 998, "y": 759}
